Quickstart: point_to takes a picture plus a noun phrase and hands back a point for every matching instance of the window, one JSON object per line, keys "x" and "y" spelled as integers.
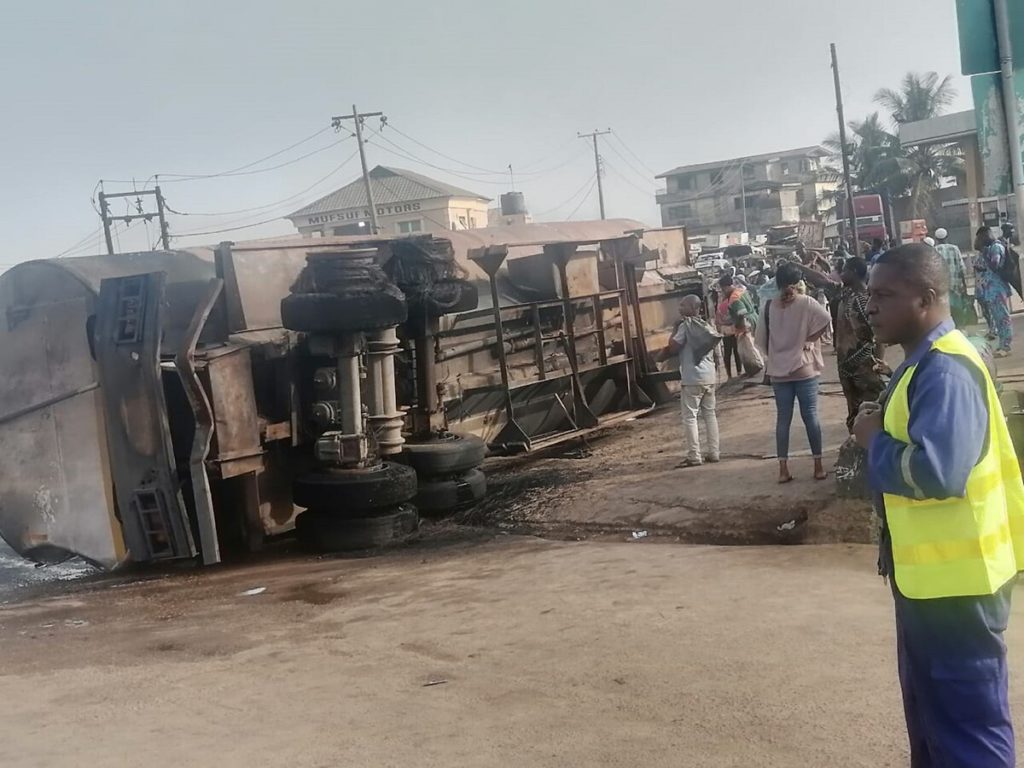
{"x": 785, "y": 169}
{"x": 684, "y": 183}
{"x": 738, "y": 202}
{"x": 716, "y": 177}
{"x": 677, "y": 212}
{"x": 462, "y": 222}
{"x": 748, "y": 171}
{"x": 408, "y": 227}
{"x": 800, "y": 197}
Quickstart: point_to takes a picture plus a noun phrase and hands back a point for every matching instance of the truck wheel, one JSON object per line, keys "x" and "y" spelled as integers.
{"x": 329, "y": 533}
{"x": 331, "y": 313}
{"x": 436, "y": 496}
{"x": 446, "y": 456}
{"x": 453, "y": 296}
{"x": 355, "y": 492}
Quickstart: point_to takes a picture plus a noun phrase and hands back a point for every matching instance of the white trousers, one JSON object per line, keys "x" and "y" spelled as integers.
{"x": 699, "y": 400}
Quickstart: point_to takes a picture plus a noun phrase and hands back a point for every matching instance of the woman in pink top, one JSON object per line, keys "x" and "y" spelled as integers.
{"x": 789, "y": 332}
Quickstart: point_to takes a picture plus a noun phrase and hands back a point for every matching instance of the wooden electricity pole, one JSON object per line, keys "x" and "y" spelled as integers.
{"x": 357, "y": 118}
{"x": 597, "y": 164}
{"x": 846, "y": 155}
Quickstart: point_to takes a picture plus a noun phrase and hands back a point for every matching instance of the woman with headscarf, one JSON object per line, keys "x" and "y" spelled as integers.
{"x": 790, "y": 331}
{"x": 993, "y": 292}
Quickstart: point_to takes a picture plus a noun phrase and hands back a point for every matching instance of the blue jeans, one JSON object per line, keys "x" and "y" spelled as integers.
{"x": 806, "y": 392}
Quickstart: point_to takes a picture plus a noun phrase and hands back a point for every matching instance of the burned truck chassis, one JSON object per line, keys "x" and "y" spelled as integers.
{"x": 207, "y": 443}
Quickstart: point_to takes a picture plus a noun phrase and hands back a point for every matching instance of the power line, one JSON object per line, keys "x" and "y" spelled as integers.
{"x": 580, "y": 204}
{"x": 589, "y": 181}
{"x": 83, "y": 242}
{"x": 625, "y": 146}
{"x": 229, "y": 229}
{"x": 487, "y": 171}
{"x": 232, "y": 171}
{"x": 628, "y": 163}
{"x": 254, "y": 208}
{"x": 269, "y": 206}
{"x": 625, "y": 178}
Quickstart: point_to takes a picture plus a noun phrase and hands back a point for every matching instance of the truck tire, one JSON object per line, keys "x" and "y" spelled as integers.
{"x": 467, "y": 298}
{"x": 333, "y": 313}
{"x": 329, "y": 533}
{"x": 449, "y": 455}
{"x": 445, "y": 495}
{"x": 346, "y": 493}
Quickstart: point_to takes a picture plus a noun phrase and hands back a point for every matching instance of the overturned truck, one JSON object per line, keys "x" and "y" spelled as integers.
{"x": 194, "y": 403}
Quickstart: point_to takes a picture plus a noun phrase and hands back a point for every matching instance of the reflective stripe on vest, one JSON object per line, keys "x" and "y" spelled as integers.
{"x": 959, "y": 546}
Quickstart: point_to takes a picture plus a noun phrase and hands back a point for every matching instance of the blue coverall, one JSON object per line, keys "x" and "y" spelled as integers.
{"x": 952, "y": 658}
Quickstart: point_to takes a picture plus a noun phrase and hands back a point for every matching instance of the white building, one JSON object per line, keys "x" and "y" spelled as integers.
{"x": 406, "y": 202}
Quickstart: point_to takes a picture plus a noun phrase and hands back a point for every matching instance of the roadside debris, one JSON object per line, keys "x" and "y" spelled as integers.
{"x": 636, "y": 535}
{"x": 254, "y": 591}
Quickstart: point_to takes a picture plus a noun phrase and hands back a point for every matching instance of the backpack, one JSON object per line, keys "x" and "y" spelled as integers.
{"x": 1009, "y": 270}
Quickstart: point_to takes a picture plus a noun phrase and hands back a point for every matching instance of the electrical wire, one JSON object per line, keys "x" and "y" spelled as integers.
{"x": 162, "y": 178}
{"x": 627, "y": 162}
{"x": 591, "y": 180}
{"x": 397, "y": 150}
{"x": 581, "y": 202}
{"x": 288, "y": 199}
{"x": 233, "y": 171}
{"x": 80, "y": 244}
{"x": 480, "y": 170}
{"x": 625, "y": 146}
{"x": 486, "y": 171}
{"x": 625, "y": 178}
{"x": 264, "y": 208}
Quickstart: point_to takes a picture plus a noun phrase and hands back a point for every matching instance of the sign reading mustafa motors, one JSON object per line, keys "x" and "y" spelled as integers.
{"x": 361, "y": 214}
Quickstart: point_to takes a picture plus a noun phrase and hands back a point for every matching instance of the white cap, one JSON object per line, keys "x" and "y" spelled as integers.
{"x": 941, "y": 233}
{"x": 929, "y": 241}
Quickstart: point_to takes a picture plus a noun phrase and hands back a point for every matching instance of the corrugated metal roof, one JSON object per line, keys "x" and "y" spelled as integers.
{"x": 812, "y": 151}
{"x": 390, "y": 185}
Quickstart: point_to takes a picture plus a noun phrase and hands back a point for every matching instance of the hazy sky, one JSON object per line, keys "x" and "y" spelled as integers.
{"x": 122, "y": 89}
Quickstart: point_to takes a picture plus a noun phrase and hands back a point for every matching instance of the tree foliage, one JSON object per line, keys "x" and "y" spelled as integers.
{"x": 879, "y": 163}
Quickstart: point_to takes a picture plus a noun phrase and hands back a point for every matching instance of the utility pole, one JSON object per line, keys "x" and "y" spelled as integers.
{"x": 743, "y": 192}
{"x": 104, "y": 197}
{"x": 1010, "y": 107}
{"x": 597, "y": 164}
{"x": 357, "y": 118}
{"x": 846, "y": 155}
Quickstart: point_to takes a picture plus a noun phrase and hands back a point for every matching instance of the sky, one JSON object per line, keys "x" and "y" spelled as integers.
{"x": 121, "y": 90}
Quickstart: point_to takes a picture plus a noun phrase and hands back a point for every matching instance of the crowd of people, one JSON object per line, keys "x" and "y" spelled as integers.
{"x": 775, "y": 323}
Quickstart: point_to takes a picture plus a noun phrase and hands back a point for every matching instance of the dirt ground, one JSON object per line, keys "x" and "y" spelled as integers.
{"x": 509, "y": 651}
{"x": 479, "y": 646}
{"x": 626, "y": 479}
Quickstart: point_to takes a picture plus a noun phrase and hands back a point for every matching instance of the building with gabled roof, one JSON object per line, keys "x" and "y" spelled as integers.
{"x": 407, "y": 202}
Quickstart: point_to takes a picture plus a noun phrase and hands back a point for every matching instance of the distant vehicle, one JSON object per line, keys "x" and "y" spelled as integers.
{"x": 870, "y": 213}
{"x": 711, "y": 262}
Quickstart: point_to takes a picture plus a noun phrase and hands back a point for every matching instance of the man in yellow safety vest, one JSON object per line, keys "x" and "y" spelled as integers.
{"x": 948, "y": 488}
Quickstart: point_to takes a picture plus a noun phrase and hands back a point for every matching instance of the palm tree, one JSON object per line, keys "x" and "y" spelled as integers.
{"x": 922, "y": 169}
{"x": 918, "y": 98}
{"x": 877, "y": 159}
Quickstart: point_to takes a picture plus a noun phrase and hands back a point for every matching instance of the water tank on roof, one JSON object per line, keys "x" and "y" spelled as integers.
{"x": 513, "y": 204}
